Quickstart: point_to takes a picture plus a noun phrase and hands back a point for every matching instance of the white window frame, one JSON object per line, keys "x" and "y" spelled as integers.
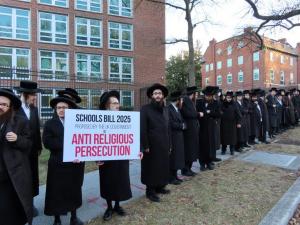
{"x": 207, "y": 68}
{"x": 271, "y": 57}
{"x": 282, "y": 78}
{"x": 291, "y": 61}
{"x": 229, "y": 62}
{"x": 219, "y": 80}
{"x": 120, "y": 64}
{"x": 54, "y": 3}
{"x": 122, "y": 96}
{"x": 240, "y": 74}
{"x": 292, "y": 78}
{"x": 255, "y": 56}
{"x": 89, "y": 67}
{"x": 89, "y": 3}
{"x": 272, "y": 76}
{"x": 241, "y": 44}
{"x": 240, "y": 60}
{"x": 120, "y": 9}
{"x": 229, "y": 50}
{"x": 120, "y": 30}
{"x": 88, "y": 36}
{"x": 53, "y": 28}
{"x": 14, "y": 24}
{"x": 207, "y": 81}
{"x": 227, "y": 78}
{"x": 211, "y": 66}
{"x": 219, "y": 65}
{"x": 53, "y": 66}
{"x": 13, "y": 68}
{"x": 256, "y": 72}
{"x": 282, "y": 59}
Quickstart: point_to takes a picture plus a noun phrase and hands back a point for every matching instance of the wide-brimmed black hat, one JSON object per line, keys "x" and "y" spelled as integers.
{"x": 65, "y": 99}
{"x": 27, "y": 86}
{"x": 155, "y": 87}
{"x": 229, "y": 93}
{"x": 174, "y": 96}
{"x": 262, "y": 93}
{"x": 293, "y": 90}
{"x": 72, "y": 93}
{"x": 105, "y": 97}
{"x": 287, "y": 93}
{"x": 273, "y": 89}
{"x": 191, "y": 90}
{"x": 238, "y": 93}
{"x": 210, "y": 90}
{"x": 246, "y": 92}
{"x": 8, "y": 93}
{"x": 255, "y": 92}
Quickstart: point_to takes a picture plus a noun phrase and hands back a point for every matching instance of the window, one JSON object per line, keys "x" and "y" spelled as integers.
{"x": 88, "y": 67}
{"x": 240, "y": 60}
{"x": 291, "y": 61}
{"x": 46, "y": 112}
{"x": 219, "y": 65}
{"x": 126, "y": 99}
{"x": 219, "y": 51}
{"x": 120, "y": 36}
{"x": 229, "y": 62}
{"x": 211, "y": 66}
{"x": 89, "y": 5}
{"x": 282, "y": 78}
{"x": 90, "y": 98}
{"x": 206, "y": 81}
{"x": 88, "y": 32}
{"x": 256, "y": 56}
{"x": 241, "y": 44}
{"x": 292, "y": 78}
{"x": 271, "y": 56}
{"x": 120, "y": 69}
{"x": 219, "y": 80}
{"x": 240, "y": 76}
{"x": 14, "y": 63}
{"x": 14, "y": 23}
{"x": 120, "y": 7}
{"x": 282, "y": 59}
{"x": 60, "y": 3}
{"x": 229, "y": 78}
{"x": 272, "y": 76}
{"x": 256, "y": 74}
{"x": 53, "y": 65}
{"x": 53, "y": 28}
{"x": 229, "y": 50}
{"x": 206, "y": 67}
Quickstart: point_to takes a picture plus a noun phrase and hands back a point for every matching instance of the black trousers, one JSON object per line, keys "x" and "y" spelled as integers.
{"x": 11, "y": 210}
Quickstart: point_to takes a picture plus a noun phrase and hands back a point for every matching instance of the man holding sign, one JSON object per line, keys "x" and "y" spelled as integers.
{"x": 155, "y": 143}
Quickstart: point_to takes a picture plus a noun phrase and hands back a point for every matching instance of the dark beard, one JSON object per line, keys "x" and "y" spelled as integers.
{"x": 157, "y": 105}
{"x": 6, "y": 116}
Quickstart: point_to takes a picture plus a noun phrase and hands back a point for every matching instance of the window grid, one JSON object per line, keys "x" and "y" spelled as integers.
{"x": 89, "y": 5}
{"x": 59, "y": 3}
{"x": 241, "y": 76}
{"x": 120, "y": 7}
{"x": 229, "y": 78}
{"x": 88, "y": 67}
{"x": 120, "y": 36}
{"x": 219, "y": 80}
{"x": 121, "y": 69}
{"x": 93, "y": 32}
{"x": 256, "y": 74}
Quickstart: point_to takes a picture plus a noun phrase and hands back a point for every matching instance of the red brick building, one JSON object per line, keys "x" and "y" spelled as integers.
{"x": 90, "y": 45}
{"x": 238, "y": 64}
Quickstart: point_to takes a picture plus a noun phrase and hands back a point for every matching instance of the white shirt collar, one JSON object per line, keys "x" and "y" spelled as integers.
{"x": 26, "y": 109}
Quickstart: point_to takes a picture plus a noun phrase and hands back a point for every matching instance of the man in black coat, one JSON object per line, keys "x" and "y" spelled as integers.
{"x": 209, "y": 111}
{"x": 265, "y": 117}
{"x": 191, "y": 133}
{"x": 272, "y": 111}
{"x": 296, "y": 103}
{"x": 255, "y": 117}
{"x": 178, "y": 126}
{"x": 64, "y": 179}
{"x": 230, "y": 121}
{"x": 29, "y": 111}
{"x": 16, "y": 202}
{"x": 280, "y": 107}
{"x": 155, "y": 143}
{"x": 242, "y": 132}
{"x": 246, "y": 103}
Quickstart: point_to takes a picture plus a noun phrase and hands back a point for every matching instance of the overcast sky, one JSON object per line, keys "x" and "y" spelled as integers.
{"x": 229, "y": 19}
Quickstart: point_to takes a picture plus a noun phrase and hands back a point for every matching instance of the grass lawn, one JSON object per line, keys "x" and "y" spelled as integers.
{"x": 235, "y": 193}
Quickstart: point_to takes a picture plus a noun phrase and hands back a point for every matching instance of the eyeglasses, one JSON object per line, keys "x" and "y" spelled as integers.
{"x": 114, "y": 103}
{"x": 61, "y": 107}
{"x": 4, "y": 105}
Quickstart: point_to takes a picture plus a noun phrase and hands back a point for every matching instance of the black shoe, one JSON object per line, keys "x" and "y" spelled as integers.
{"x": 57, "y": 223}
{"x": 76, "y": 221}
{"x": 187, "y": 173}
{"x": 210, "y": 166}
{"x": 174, "y": 182}
{"x": 231, "y": 152}
{"x": 178, "y": 179}
{"x": 238, "y": 150}
{"x": 120, "y": 211}
{"x": 153, "y": 197}
{"x": 267, "y": 142}
{"x": 203, "y": 168}
{"x": 251, "y": 142}
{"x": 247, "y": 146}
{"x": 217, "y": 159}
{"x": 193, "y": 173}
{"x": 162, "y": 191}
{"x": 108, "y": 214}
{"x": 223, "y": 152}
{"x": 35, "y": 212}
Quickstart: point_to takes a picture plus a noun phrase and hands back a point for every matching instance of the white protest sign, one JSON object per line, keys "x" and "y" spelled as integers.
{"x": 99, "y": 135}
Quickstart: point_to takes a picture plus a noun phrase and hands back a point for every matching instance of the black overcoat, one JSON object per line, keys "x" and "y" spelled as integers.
{"x": 272, "y": 110}
{"x": 242, "y": 133}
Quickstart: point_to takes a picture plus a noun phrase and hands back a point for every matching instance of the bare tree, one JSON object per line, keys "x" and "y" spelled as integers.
{"x": 189, "y": 8}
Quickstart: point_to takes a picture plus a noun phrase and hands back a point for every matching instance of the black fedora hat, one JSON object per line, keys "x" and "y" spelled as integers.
{"x": 27, "y": 86}
{"x": 72, "y": 93}
{"x": 105, "y": 97}
{"x": 210, "y": 90}
{"x": 8, "y": 93}
{"x": 174, "y": 96}
{"x": 65, "y": 99}
{"x": 273, "y": 89}
{"x": 155, "y": 87}
{"x": 191, "y": 90}
{"x": 229, "y": 93}
{"x": 238, "y": 93}
{"x": 246, "y": 92}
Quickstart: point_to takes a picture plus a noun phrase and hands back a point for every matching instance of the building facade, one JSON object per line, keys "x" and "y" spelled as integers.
{"x": 238, "y": 63}
{"x": 89, "y": 45}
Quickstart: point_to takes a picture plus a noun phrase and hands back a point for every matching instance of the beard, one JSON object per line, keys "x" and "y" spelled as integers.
{"x": 5, "y": 116}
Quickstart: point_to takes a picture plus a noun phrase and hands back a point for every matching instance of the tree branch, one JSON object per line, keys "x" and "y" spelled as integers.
{"x": 167, "y": 3}
{"x": 175, "y": 41}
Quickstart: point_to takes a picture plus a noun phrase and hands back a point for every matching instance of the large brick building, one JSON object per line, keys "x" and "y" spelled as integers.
{"x": 238, "y": 63}
{"x": 90, "y": 45}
